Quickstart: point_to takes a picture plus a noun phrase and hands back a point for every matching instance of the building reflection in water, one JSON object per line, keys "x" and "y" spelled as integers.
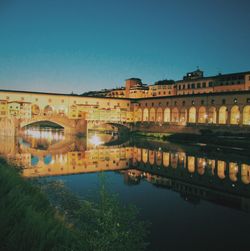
{"x": 192, "y": 175}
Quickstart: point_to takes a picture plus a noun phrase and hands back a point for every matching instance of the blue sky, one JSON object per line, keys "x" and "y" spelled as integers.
{"x": 81, "y": 45}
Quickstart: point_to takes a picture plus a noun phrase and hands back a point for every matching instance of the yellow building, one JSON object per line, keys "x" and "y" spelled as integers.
{"x": 3, "y": 108}
{"x": 14, "y": 109}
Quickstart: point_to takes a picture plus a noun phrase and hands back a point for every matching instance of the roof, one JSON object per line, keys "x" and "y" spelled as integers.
{"x": 59, "y": 94}
{"x": 194, "y": 95}
{"x": 213, "y": 77}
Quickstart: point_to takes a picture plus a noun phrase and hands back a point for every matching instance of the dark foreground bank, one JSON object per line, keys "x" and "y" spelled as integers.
{"x": 28, "y": 221}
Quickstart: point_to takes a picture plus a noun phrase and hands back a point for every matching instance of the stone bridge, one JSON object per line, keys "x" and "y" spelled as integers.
{"x": 71, "y": 126}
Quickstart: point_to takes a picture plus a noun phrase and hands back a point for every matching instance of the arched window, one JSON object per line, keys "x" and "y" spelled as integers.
{"x": 192, "y": 115}
{"x": 145, "y": 114}
{"x": 48, "y": 110}
{"x": 183, "y": 115}
{"x": 152, "y": 114}
{"x": 175, "y": 115}
{"x": 159, "y": 115}
{"x": 167, "y": 115}
{"x": 138, "y": 115}
{"x": 212, "y": 115}
{"x": 35, "y": 109}
{"x": 202, "y": 115}
{"x": 235, "y": 115}
{"x": 223, "y": 115}
{"x": 246, "y": 115}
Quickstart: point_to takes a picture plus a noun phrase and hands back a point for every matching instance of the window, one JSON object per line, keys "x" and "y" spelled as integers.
{"x": 188, "y": 86}
{"x": 204, "y": 85}
{"x": 210, "y": 84}
{"x": 198, "y": 85}
{"x": 152, "y": 104}
{"x": 183, "y": 103}
{"x": 223, "y": 101}
{"x": 202, "y": 102}
{"x": 193, "y": 86}
{"x": 212, "y": 101}
{"x": 192, "y": 102}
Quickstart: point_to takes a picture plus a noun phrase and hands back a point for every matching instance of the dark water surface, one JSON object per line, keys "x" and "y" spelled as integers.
{"x": 195, "y": 200}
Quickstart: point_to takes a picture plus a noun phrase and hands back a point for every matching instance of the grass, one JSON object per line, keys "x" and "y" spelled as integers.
{"x": 27, "y": 221}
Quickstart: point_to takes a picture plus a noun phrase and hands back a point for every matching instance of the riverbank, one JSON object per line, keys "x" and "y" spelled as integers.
{"x": 208, "y": 140}
{"x": 35, "y": 217}
{"x": 27, "y": 221}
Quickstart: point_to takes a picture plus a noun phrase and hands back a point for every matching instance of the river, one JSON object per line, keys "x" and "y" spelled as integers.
{"x": 195, "y": 199}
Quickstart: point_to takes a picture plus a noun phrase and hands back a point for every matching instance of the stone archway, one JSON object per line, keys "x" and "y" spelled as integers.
{"x": 175, "y": 115}
{"x": 192, "y": 115}
{"x": 223, "y": 114}
{"x": 167, "y": 115}
{"x": 202, "y": 115}
{"x": 212, "y": 115}
{"x": 246, "y": 115}
{"x": 145, "y": 114}
{"x": 235, "y": 115}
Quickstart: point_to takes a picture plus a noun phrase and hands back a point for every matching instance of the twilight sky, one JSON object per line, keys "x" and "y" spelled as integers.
{"x": 81, "y": 45}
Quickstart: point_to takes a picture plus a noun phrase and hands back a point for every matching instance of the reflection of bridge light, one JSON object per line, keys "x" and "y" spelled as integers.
{"x": 95, "y": 140}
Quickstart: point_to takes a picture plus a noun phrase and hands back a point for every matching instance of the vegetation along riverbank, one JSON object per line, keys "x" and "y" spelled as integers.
{"x": 29, "y": 220}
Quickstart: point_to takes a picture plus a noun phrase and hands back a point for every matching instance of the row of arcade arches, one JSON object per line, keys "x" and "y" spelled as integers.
{"x": 211, "y": 115}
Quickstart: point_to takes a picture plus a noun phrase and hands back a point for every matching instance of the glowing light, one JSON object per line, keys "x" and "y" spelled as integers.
{"x": 95, "y": 140}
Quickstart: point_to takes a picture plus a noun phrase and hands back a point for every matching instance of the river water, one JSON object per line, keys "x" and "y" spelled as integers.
{"x": 194, "y": 198}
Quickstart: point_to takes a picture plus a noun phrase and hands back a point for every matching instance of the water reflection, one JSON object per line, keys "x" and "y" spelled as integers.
{"x": 191, "y": 173}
